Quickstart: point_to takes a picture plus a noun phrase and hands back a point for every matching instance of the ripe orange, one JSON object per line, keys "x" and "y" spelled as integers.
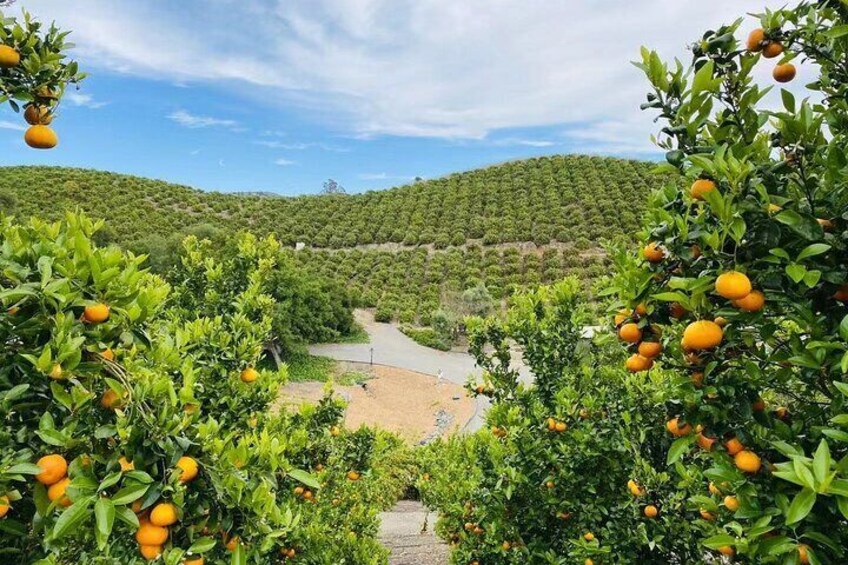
{"x": 756, "y": 39}
{"x": 164, "y": 514}
{"x": 9, "y": 57}
{"x": 630, "y": 333}
{"x": 588, "y": 562}
{"x": 4, "y": 506}
{"x": 720, "y": 321}
{"x": 551, "y": 425}
{"x": 702, "y": 334}
{"x": 56, "y": 492}
{"x": 353, "y": 476}
{"x": 584, "y": 414}
{"x": 705, "y": 442}
{"x": 706, "y": 515}
{"x": 233, "y": 543}
{"x": 108, "y": 354}
{"x": 622, "y": 316}
{"x": 588, "y": 536}
{"x": 727, "y": 550}
{"x": 194, "y": 560}
{"x": 249, "y": 375}
{"x": 676, "y": 310}
{"x": 803, "y": 554}
{"x": 95, "y": 314}
{"x": 841, "y": 293}
{"x": 635, "y": 489}
{"x": 641, "y": 309}
{"x": 37, "y": 115}
{"x": 41, "y": 137}
{"x": 53, "y": 469}
{"x": 506, "y": 546}
{"x": 731, "y": 503}
{"x": 126, "y": 464}
{"x": 189, "y": 469}
{"x": 650, "y": 349}
{"x": 674, "y": 427}
{"x": 713, "y": 489}
{"x": 781, "y": 412}
{"x": 754, "y": 302}
{"x": 758, "y": 405}
{"x": 110, "y": 399}
{"x": 773, "y": 49}
{"x": 561, "y": 427}
{"x": 636, "y": 363}
{"x": 150, "y": 552}
{"x": 148, "y": 534}
{"x": 733, "y": 285}
{"x": 785, "y": 72}
{"x": 734, "y": 446}
{"x": 653, "y": 253}
{"x": 747, "y": 461}
{"x": 701, "y": 187}
{"x": 651, "y": 511}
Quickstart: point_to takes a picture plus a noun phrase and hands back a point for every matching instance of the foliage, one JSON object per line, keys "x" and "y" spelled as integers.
{"x": 556, "y": 461}
{"x": 428, "y": 337}
{"x": 156, "y": 379}
{"x": 774, "y": 210}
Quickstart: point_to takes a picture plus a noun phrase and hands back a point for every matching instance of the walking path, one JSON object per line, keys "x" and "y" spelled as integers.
{"x": 402, "y": 531}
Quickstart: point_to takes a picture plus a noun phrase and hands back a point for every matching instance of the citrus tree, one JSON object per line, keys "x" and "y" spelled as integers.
{"x": 134, "y": 430}
{"x": 564, "y": 470}
{"x": 742, "y": 280}
{"x": 34, "y": 73}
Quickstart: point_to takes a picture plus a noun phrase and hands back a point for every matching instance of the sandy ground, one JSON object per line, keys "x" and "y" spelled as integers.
{"x": 398, "y": 400}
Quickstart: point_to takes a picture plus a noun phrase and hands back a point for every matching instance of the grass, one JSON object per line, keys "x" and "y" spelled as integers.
{"x": 304, "y": 367}
{"x": 357, "y": 335}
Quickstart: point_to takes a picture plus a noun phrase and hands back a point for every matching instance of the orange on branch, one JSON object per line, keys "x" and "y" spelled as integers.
{"x": 53, "y": 468}
{"x": 733, "y": 285}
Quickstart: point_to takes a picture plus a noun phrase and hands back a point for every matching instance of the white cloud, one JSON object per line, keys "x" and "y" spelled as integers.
{"x": 193, "y": 121}
{"x": 300, "y": 146}
{"x": 383, "y": 176}
{"x": 5, "y": 124}
{"x": 284, "y": 162}
{"x": 84, "y": 100}
{"x": 408, "y": 67}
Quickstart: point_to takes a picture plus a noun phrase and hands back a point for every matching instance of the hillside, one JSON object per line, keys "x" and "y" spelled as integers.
{"x": 519, "y": 223}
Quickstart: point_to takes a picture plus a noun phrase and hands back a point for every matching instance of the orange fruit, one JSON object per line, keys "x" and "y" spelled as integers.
{"x": 4, "y": 506}
{"x": 630, "y": 333}
{"x": 110, "y": 399}
{"x": 41, "y": 137}
{"x": 754, "y": 302}
{"x": 773, "y": 49}
{"x": 727, "y": 550}
{"x": 584, "y": 414}
{"x": 747, "y": 461}
{"x": 785, "y": 72}
{"x": 37, "y": 115}
{"x": 9, "y": 57}
{"x": 164, "y": 514}
{"x": 561, "y": 427}
{"x": 353, "y": 476}
{"x": 706, "y": 515}
{"x": 758, "y": 405}
{"x": 676, "y": 310}
{"x": 841, "y": 293}
{"x": 674, "y": 427}
{"x": 641, "y": 309}
{"x": 803, "y": 554}
{"x": 733, "y": 285}
{"x": 588, "y": 562}
{"x": 126, "y": 464}
{"x": 650, "y": 349}
{"x": 781, "y": 412}
{"x": 108, "y": 354}
{"x": 705, "y": 442}
{"x": 95, "y": 313}
{"x": 698, "y": 379}
{"x": 636, "y": 363}
{"x": 826, "y": 225}
{"x": 713, "y": 489}
{"x": 756, "y": 39}
{"x": 720, "y": 321}
{"x": 194, "y": 560}
{"x": 653, "y": 253}
{"x": 701, "y": 187}
{"x": 249, "y": 375}
{"x": 506, "y": 546}
{"x": 731, "y": 503}
{"x": 136, "y": 506}
{"x": 56, "y": 492}
{"x": 551, "y": 425}
{"x": 150, "y": 552}
{"x": 634, "y": 488}
{"x": 233, "y": 543}
{"x": 189, "y": 469}
{"x": 734, "y": 446}
{"x": 651, "y": 511}
{"x": 702, "y": 334}
{"x": 53, "y": 469}
{"x": 148, "y": 534}
{"x": 588, "y": 536}
{"x": 622, "y": 316}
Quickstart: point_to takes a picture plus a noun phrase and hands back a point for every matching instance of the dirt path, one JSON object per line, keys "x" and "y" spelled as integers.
{"x": 401, "y": 532}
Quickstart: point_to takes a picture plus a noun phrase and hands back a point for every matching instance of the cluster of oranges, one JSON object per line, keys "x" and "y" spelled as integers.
{"x": 758, "y": 42}
{"x": 37, "y": 114}
{"x": 645, "y": 340}
{"x": 153, "y": 533}
{"x": 54, "y": 475}
{"x": 305, "y": 494}
{"x": 555, "y": 425}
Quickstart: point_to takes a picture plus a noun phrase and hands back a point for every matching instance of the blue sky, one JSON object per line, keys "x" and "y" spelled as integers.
{"x": 279, "y": 95}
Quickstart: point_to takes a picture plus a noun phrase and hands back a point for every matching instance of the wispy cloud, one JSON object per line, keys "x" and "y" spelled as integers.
{"x": 5, "y": 124}
{"x": 511, "y": 141}
{"x": 84, "y": 100}
{"x": 383, "y": 176}
{"x": 193, "y": 121}
{"x": 284, "y": 162}
{"x": 300, "y": 146}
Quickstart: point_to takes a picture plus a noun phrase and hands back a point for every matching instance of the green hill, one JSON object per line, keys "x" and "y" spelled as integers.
{"x": 519, "y": 223}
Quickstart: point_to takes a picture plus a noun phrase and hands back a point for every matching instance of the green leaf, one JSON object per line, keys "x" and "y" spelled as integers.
{"x": 239, "y": 555}
{"x": 812, "y": 250}
{"x": 796, "y": 272}
{"x": 129, "y": 494}
{"x": 71, "y": 518}
{"x": 821, "y": 462}
{"x": 104, "y": 517}
{"x": 678, "y": 448}
{"x": 305, "y": 478}
{"x": 202, "y": 545}
{"x": 805, "y": 226}
{"x": 718, "y": 541}
{"x": 23, "y": 469}
{"x": 801, "y": 506}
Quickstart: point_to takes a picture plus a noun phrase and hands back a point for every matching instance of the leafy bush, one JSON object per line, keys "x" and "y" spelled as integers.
{"x": 428, "y": 337}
